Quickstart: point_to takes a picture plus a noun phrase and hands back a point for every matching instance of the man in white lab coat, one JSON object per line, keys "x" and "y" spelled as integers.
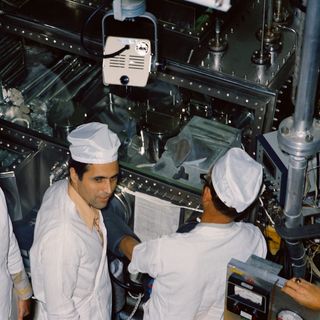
{"x": 12, "y": 273}
{"x": 190, "y": 268}
{"x": 69, "y": 269}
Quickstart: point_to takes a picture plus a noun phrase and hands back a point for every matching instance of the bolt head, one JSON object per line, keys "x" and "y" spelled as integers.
{"x": 285, "y": 130}
{"x": 309, "y": 138}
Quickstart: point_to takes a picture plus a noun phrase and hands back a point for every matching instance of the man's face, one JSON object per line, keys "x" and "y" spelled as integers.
{"x": 98, "y": 183}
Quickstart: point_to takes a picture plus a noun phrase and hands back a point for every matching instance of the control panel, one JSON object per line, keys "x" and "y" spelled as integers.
{"x": 275, "y": 163}
{"x": 253, "y": 292}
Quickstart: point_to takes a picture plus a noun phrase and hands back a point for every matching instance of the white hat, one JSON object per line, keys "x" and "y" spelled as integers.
{"x": 93, "y": 142}
{"x": 237, "y": 179}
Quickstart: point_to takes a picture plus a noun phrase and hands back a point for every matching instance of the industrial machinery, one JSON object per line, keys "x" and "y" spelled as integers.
{"x": 180, "y": 82}
{"x": 254, "y": 292}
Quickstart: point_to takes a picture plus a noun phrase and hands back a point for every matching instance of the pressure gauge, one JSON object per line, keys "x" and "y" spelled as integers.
{"x": 288, "y": 315}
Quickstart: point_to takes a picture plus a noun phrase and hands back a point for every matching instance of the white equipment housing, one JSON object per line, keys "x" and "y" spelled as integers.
{"x": 132, "y": 66}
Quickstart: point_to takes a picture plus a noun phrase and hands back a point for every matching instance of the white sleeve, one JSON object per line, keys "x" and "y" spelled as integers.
{"x": 60, "y": 260}
{"x": 146, "y": 258}
{"x": 15, "y": 263}
{"x": 261, "y": 249}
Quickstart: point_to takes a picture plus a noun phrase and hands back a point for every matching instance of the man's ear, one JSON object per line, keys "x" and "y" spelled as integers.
{"x": 207, "y": 194}
{"x": 73, "y": 176}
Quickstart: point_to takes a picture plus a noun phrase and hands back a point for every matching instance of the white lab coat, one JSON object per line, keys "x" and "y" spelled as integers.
{"x": 69, "y": 269}
{"x": 190, "y": 269}
{"x": 10, "y": 259}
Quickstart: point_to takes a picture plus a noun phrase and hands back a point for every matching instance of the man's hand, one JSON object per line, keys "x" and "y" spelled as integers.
{"x": 304, "y": 292}
{"x": 23, "y": 308}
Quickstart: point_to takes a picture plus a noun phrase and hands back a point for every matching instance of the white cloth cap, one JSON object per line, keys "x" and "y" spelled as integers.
{"x": 93, "y": 142}
{"x": 237, "y": 178}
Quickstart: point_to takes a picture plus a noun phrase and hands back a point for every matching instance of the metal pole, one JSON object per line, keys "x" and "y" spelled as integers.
{"x": 293, "y": 206}
{"x": 298, "y": 136}
{"x": 307, "y": 83}
{"x": 295, "y": 185}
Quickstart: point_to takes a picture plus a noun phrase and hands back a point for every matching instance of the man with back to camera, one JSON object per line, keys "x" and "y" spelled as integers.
{"x": 69, "y": 268}
{"x": 12, "y": 272}
{"x": 190, "y": 268}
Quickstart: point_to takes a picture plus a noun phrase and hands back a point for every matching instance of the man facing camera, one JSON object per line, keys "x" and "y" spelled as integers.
{"x": 69, "y": 268}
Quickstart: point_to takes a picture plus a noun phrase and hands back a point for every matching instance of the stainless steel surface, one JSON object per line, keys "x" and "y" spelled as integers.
{"x": 230, "y": 76}
{"x": 31, "y": 170}
{"x": 157, "y": 187}
{"x": 237, "y": 58}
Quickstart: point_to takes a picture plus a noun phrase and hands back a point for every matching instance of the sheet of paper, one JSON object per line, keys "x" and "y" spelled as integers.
{"x": 154, "y": 217}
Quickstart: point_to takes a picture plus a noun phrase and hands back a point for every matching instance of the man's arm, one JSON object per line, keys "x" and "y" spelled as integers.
{"x": 19, "y": 277}
{"x": 23, "y": 308}
{"x": 127, "y": 245}
{"x": 23, "y": 292}
{"x": 120, "y": 237}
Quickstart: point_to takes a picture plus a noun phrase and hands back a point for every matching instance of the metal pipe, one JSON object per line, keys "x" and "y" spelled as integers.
{"x": 295, "y": 186}
{"x": 270, "y": 14}
{"x": 278, "y": 10}
{"x": 298, "y": 258}
{"x": 299, "y": 27}
{"x": 302, "y": 122}
{"x": 303, "y": 115}
{"x": 263, "y": 29}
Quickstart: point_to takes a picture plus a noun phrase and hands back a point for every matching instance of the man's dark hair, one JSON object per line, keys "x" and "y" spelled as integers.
{"x": 221, "y": 206}
{"x": 79, "y": 167}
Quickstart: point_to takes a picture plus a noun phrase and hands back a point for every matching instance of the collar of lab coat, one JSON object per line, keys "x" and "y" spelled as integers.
{"x": 217, "y": 225}
{"x": 86, "y": 212}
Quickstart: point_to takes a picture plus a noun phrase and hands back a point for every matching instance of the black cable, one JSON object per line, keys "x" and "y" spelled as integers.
{"x": 84, "y": 27}
{"x": 318, "y": 172}
{"x": 127, "y": 285}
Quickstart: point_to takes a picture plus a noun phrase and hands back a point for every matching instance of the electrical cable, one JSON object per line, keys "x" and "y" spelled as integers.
{"x": 126, "y": 286}
{"x": 316, "y": 180}
{"x": 316, "y": 184}
{"x": 83, "y": 29}
{"x": 140, "y": 296}
{"x": 266, "y": 212}
{"x": 317, "y": 174}
{"x": 314, "y": 270}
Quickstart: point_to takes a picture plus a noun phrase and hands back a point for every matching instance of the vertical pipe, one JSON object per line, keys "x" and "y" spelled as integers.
{"x": 263, "y": 29}
{"x": 278, "y": 10}
{"x": 295, "y": 186}
{"x": 302, "y": 122}
{"x": 270, "y": 14}
{"x": 293, "y": 218}
{"x": 299, "y": 27}
{"x": 303, "y": 115}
